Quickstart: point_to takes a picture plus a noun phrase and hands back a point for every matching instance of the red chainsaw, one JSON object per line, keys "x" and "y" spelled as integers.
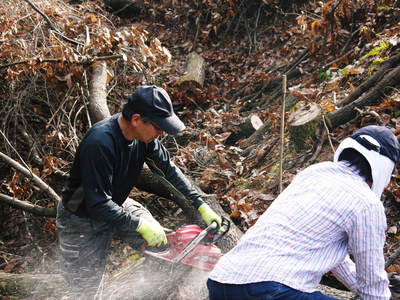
{"x": 190, "y": 245}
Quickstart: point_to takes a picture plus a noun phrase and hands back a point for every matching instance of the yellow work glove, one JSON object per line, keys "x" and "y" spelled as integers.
{"x": 152, "y": 232}
{"x": 208, "y": 215}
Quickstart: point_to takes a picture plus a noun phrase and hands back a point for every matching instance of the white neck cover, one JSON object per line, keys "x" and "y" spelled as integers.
{"x": 381, "y": 166}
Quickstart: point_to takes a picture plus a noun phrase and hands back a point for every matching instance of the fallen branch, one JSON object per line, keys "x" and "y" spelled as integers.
{"x": 27, "y": 206}
{"x": 83, "y": 61}
{"x": 28, "y": 173}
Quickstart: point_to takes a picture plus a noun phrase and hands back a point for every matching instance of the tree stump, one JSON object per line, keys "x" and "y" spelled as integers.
{"x": 302, "y": 125}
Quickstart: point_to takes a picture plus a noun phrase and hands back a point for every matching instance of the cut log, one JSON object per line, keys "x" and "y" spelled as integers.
{"x": 38, "y": 286}
{"x": 252, "y": 141}
{"x": 373, "y": 80}
{"x": 345, "y": 114}
{"x": 302, "y": 124}
{"x": 195, "y": 72}
{"x": 245, "y": 129}
{"x": 157, "y": 279}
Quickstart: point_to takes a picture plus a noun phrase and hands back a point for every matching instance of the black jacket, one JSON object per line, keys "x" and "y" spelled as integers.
{"x": 106, "y": 168}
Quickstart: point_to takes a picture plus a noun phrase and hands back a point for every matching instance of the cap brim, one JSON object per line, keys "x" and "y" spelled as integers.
{"x": 171, "y": 125}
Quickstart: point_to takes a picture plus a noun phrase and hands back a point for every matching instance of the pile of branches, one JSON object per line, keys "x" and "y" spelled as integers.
{"x": 48, "y": 55}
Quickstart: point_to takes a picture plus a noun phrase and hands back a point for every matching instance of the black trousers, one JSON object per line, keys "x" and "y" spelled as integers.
{"x": 84, "y": 244}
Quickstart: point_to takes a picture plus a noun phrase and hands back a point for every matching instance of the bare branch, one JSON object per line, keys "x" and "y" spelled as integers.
{"x": 27, "y": 206}
{"x": 28, "y": 173}
{"x": 52, "y": 25}
{"x": 83, "y": 61}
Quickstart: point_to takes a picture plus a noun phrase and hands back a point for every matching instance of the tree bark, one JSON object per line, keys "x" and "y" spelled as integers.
{"x": 98, "y": 108}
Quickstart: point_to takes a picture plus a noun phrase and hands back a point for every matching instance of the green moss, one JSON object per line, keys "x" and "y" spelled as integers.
{"x": 388, "y": 8}
{"x": 378, "y": 50}
{"x": 299, "y": 135}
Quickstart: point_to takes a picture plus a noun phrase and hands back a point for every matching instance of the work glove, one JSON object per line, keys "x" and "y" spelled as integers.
{"x": 152, "y": 232}
{"x": 208, "y": 215}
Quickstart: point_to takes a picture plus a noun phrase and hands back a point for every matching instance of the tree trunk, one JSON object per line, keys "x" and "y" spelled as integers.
{"x": 98, "y": 108}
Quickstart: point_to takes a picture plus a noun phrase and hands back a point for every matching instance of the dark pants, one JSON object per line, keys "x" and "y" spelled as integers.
{"x": 84, "y": 244}
{"x": 267, "y": 290}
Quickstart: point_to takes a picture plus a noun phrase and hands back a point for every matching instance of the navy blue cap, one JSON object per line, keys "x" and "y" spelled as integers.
{"x": 155, "y": 104}
{"x": 388, "y": 144}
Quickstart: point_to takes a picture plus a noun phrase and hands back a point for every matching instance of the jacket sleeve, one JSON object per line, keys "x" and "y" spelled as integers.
{"x": 158, "y": 160}
{"x": 97, "y": 162}
{"x": 366, "y": 233}
{"x": 345, "y": 272}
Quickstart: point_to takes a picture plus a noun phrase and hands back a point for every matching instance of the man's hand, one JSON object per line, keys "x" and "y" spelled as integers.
{"x": 208, "y": 215}
{"x": 152, "y": 233}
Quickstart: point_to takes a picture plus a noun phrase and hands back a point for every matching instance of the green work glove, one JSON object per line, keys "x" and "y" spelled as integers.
{"x": 208, "y": 215}
{"x": 152, "y": 232}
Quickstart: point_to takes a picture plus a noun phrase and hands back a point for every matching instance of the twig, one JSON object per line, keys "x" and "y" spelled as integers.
{"x": 29, "y": 234}
{"x": 256, "y": 23}
{"x": 337, "y": 59}
{"x": 349, "y": 41}
{"x": 318, "y": 149}
{"x": 369, "y": 113}
{"x": 328, "y": 134}
{"x": 83, "y": 61}
{"x": 12, "y": 147}
{"x": 52, "y": 25}
{"x": 31, "y": 144}
{"x": 284, "y": 82}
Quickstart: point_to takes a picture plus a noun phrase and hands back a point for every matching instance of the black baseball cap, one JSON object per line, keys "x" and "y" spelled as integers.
{"x": 387, "y": 143}
{"x": 155, "y": 104}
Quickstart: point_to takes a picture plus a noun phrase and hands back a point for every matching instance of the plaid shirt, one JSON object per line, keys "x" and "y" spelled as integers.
{"x": 327, "y": 212}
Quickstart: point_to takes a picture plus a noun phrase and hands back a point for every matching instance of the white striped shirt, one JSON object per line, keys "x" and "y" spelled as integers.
{"x": 325, "y": 213}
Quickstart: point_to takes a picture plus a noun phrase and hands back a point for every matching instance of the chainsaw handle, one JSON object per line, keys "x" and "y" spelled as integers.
{"x": 212, "y": 227}
{"x": 225, "y": 225}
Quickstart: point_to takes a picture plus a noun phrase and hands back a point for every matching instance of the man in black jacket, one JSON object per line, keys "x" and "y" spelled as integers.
{"x": 95, "y": 205}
